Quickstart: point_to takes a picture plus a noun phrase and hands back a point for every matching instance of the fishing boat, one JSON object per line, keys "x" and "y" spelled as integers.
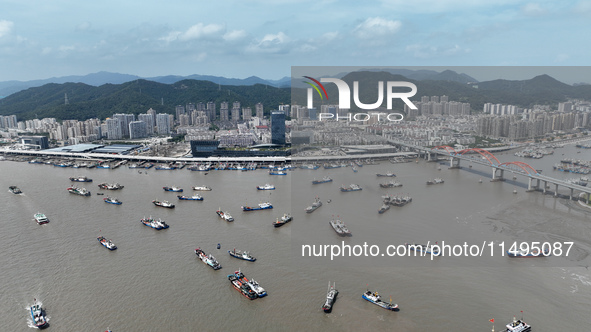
{"x": 173, "y": 189}
{"x": 195, "y": 197}
{"x": 387, "y": 175}
{"x": 391, "y": 184}
{"x": 38, "y": 315}
{"x": 241, "y": 285}
{"x": 266, "y": 187}
{"x": 277, "y": 172}
{"x": 352, "y": 187}
{"x": 528, "y": 253}
{"x": 262, "y": 206}
{"x": 40, "y": 218}
{"x": 339, "y": 227}
{"x": 331, "y": 296}
{"x": 284, "y": 220}
{"x": 423, "y": 249}
{"x": 153, "y": 223}
{"x": 324, "y": 180}
{"x": 15, "y": 190}
{"x": 79, "y": 191}
{"x": 260, "y": 291}
{"x": 384, "y": 208}
{"x": 165, "y": 204}
{"x": 224, "y": 215}
{"x": 244, "y": 255}
{"x": 110, "y": 200}
{"x": 208, "y": 259}
{"x": 376, "y": 299}
{"x": 435, "y": 181}
{"x": 315, "y": 205}
{"x": 518, "y": 325}
{"x": 202, "y": 188}
{"x": 106, "y": 243}
{"x": 110, "y": 186}
{"x": 80, "y": 179}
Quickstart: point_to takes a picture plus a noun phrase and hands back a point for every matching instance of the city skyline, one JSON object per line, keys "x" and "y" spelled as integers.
{"x": 255, "y": 38}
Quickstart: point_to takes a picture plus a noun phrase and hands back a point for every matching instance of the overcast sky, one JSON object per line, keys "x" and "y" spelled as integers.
{"x": 42, "y": 39}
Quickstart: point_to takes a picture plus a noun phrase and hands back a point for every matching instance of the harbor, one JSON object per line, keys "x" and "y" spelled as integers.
{"x": 178, "y": 277}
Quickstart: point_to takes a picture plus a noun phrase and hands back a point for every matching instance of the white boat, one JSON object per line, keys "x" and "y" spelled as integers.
{"x": 202, "y": 188}
{"x": 40, "y": 218}
{"x": 224, "y": 215}
{"x": 260, "y": 291}
{"x": 518, "y": 325}
{"x": 266, "y": 187}
{"x": 38, "y": 315}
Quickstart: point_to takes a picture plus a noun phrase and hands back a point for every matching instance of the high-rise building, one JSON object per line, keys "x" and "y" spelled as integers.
{"x": 124, "y": 120}
{"x": 180, "y": 110}
{"x": 224, "y": 111}
{"x": 149, "y": 120}
{"x": 278, "y": 127}
{"x": 163, "y": 123}
{"x": 153, "y": 113}
{"x": 137, "y": 129}
{"x": 113, "y": 129}
{"x": 210, "y": 112}
{"x": 259, "y": 110}
{"x": 246, "y": 113}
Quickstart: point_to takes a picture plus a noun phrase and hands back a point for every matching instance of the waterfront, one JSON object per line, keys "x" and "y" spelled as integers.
{"x": 155, "y": 282}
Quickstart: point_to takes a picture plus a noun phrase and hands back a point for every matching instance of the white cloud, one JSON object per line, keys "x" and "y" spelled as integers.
{"x": 67, "y": 48}
{"x": 199, "y": 57}
{"x": 533, "y": 9}
{"x": 199, "y": 31}
{"x": 376, "y": 27}
{"x": 5, "y": 27}
{"x": 234, "y": 35}
{"x": 330, "y": 36}
{"x": 46, "y": 50}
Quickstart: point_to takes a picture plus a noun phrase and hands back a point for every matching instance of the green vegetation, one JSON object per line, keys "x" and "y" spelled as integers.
{"x": 135, "y": 97}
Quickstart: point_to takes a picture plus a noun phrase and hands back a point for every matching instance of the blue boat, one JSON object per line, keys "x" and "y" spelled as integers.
{"x": 375, "y": 298}
{"x": 156, "y": 224}
{"x": 262, "y": 206}
{"x": 266, "y": 187}
{"x": 191, "y": 198}
{"x": 245, "y": 255}
{"x": 38, "y": 315}
{"x": 277, "y": 173}
{"x": 112, "y": 200}
{"x": 324, "y": 180}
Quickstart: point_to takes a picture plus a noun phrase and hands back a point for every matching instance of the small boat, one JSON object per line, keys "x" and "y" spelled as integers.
{"x": 112, "y": 200}
{"x": 277, "y": 173}
{"x": 324, "y": 180}
{"x": 331, "y": 296}
{"x": 106, "y": 243}
{"x": 80, "y": 179}
{"x": 515, "y": 191}
{"x": 352, "y": 187}
{"x": 391, "y": 184}
{"x": 315, "y": 205}
{"x": 423, "y": 249}
{"x": 100, "y": 194}
{"x": 202, "y": 188}
{"x": 208, "y": 259}
{"x": 195, "y": 197}
{"x": 153, "y": 223}
{"x": 244, "y": 255}
{"x": 262, "y": 206}
{"x": 266, "y": 187}
{"x": 224, "y": 215}
{"x": 354, "y": 169}
{"x": 375, "y": 298}
{"x": 518, "y": 325}
{"x": 38, "y": 315}
{"x": 260, "y": 291}
{"x": 79, "y": 191}
{"x": 110, "y": 186}
{"x": 15, "y": 190}
{"x": 40, "y": 218}
{"x": 340, "y": 227}
{"x": 479, "y": 180}
{"x": 219, "y": 246}
{"x": 392, "y": 175}
{"x": 173, "y": 189}
{"x": 165, "y": 204}
{"x": 384, "y": 208}
{"x": 435, "y": 181}
{"x": 284, "y": 220}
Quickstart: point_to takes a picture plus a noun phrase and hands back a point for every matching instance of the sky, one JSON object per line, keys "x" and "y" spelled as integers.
{"x": 41, "y": 39}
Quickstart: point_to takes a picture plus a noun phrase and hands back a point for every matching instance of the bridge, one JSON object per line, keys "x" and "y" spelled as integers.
{"x": 485, "y": 158}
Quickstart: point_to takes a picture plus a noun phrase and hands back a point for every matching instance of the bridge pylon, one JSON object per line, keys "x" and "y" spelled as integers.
{"x": 497, "y": 174}
{"x": 454, "y": 163}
